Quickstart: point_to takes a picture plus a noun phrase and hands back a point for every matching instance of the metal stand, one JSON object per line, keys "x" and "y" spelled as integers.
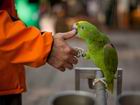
{"x": 91, "y": 74}
{"x": 100, "y": 90}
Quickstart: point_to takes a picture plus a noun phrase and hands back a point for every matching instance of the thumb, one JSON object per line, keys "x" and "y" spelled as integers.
{"x": 68, "y": 35}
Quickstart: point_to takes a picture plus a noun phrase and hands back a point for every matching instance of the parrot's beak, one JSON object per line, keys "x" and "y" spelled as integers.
{"x": 74, "y": 27}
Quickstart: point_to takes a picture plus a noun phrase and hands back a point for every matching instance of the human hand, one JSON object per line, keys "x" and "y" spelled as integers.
{"x": 62, "y": 55}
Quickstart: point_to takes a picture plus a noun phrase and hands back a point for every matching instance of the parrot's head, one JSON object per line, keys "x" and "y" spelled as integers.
{"x": 85, "y": 30}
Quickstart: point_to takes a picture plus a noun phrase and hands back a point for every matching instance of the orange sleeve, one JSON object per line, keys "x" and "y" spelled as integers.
{"x": 22, "y": 45}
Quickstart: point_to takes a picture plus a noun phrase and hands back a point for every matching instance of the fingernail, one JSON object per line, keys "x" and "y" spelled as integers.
{"x": 75, "y": 31}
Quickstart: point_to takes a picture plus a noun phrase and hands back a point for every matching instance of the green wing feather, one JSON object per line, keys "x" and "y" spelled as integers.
{"x": 111, "y": 63}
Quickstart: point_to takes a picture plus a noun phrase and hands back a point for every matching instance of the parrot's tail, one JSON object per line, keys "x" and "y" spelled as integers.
{"x": 110, "y": 86}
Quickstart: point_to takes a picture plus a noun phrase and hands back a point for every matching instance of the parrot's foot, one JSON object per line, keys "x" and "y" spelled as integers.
{"x": 81, "y": 52}
{"x": 96, "y": 80}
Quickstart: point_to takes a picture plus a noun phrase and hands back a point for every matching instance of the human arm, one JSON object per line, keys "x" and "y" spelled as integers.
{"x": 23, "y": 45}
{"x": 26, "y": 46}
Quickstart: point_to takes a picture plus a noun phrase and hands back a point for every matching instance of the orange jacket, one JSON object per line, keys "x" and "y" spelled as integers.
{"x": 19, "y": 46}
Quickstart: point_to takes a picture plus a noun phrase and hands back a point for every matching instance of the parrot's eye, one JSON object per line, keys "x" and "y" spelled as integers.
{"x": 82, "y": 27}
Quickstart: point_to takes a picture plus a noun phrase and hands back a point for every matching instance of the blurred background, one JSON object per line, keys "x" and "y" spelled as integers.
{"x": 120, "y": 19}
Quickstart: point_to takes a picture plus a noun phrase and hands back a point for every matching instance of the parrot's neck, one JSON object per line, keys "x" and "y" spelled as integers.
{"x": 95, "y": 45}
{"x": 93, "y": 37}
{"x": 97, "y": 42}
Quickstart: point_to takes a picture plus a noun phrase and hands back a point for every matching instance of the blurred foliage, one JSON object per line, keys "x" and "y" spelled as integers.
{"x": 28, "y": 11}
{"x": 113, "y": 14}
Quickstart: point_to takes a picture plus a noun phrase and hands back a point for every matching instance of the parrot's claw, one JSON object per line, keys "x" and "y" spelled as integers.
{"x": 96, "y": 80}
{"x": 81, "y": 52}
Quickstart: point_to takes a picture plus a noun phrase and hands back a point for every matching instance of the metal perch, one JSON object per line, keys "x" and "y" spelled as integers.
{"x": 91, "y": 74}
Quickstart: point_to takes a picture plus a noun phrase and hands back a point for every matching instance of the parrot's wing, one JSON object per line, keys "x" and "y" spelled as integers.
{"x": 110, "y": 58}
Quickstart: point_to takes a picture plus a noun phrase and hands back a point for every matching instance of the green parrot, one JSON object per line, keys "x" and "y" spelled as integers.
{"x": 100, "y": 50}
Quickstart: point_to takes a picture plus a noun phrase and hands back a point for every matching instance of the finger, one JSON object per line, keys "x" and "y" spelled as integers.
{"x": 62, "y": 69}
{"x": 69, "y": 34}
{"x": 68, "y": 65}
{"x": 74, "y": 52}
{"x": 73, "y": 60}
{"x": 71, "y": 51}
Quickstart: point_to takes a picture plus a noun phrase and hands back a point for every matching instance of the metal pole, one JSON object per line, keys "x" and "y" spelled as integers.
{"x": 100, "y": 90}
{"x": 119, "y": 81}
{"x": 77, "y": 80}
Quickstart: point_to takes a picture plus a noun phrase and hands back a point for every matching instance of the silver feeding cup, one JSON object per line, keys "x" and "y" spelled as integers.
{"x": 131, "y": 98}
{"x": 72, "y": 98}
